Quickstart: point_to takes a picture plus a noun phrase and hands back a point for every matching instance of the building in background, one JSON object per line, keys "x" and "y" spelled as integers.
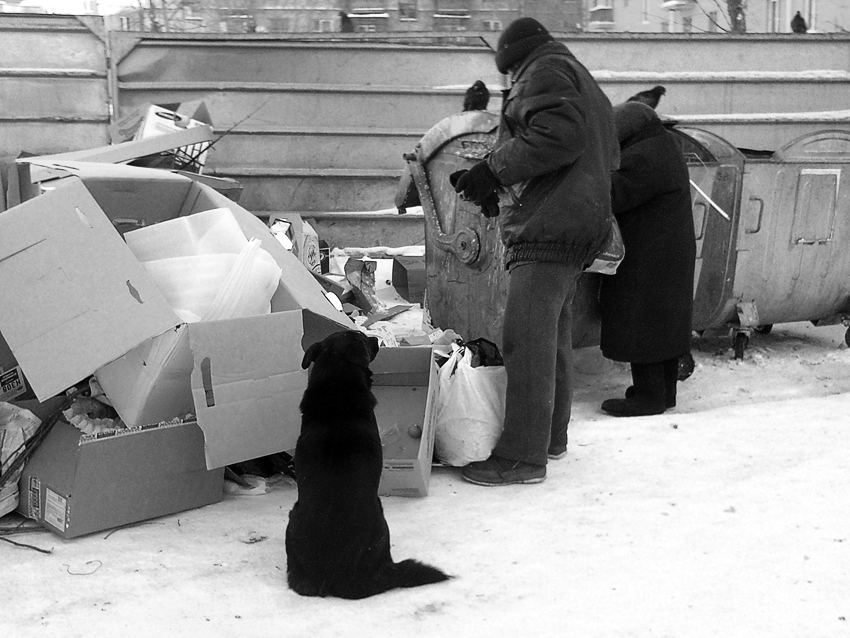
{"x": 376, "y": 16}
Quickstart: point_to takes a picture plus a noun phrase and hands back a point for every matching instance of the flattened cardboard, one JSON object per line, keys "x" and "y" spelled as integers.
{"x": 74, "y": 295}
{"x": 404, "y": 380}
{"x": 118, "y": 153}
{"x": 75, "y": 484}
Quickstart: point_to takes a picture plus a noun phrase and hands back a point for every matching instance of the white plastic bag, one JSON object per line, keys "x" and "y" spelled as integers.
{"x": 17, "y": 425}
{"x": 471, "y": 411}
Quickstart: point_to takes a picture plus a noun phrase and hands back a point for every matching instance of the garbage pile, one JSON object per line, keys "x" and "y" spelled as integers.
{"x": 155, "y": 336}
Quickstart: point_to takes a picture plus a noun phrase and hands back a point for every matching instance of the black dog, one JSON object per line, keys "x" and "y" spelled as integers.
{"x": 337, "y": 540}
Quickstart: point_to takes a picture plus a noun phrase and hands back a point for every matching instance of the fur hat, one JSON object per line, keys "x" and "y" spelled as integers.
{"x": 519, "y": 39}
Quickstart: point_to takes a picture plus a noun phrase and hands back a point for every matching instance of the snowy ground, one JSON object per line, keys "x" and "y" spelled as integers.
{"x": 725, "y": 517}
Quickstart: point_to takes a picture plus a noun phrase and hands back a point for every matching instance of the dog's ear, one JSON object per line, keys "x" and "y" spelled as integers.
{"x": 372, "y": 345}
{"x": 311, "y": 355}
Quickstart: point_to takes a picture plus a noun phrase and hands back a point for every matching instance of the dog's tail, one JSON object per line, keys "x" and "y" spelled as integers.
{"x": 412, "y": 573}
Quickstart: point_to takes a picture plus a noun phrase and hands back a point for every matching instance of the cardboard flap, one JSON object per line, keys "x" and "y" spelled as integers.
{"x": 124, "y": 152}
{"x": 247, "y": 382}
{"x": 247, "y": 385}
{"x": 74, "y": 296}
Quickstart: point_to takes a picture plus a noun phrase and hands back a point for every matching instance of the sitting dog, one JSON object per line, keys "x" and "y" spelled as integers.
{"x": 337, "y": 539}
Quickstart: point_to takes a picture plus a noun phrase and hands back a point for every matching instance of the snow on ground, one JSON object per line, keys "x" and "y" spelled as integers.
{"x": 724, "y": 517}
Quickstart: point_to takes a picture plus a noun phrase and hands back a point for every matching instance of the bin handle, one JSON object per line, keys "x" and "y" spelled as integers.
{"x": 710, "y": 201}
{"x": 465, "y": 243}
{"x": 753, "y": 198}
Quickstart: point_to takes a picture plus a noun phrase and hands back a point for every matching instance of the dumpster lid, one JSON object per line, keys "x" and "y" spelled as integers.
{"x": 823, "y": 146}
{"x": 454, "y": 126}
{"x": 703, "y": 147}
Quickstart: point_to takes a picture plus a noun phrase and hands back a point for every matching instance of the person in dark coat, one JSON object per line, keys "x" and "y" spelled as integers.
{"x": 551, "y": 164}
{"x": 647, "y": 305}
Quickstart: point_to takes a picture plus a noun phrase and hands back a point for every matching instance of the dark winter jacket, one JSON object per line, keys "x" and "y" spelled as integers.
{"x": 554, "y": 153}
{"x": 647, "y": 306}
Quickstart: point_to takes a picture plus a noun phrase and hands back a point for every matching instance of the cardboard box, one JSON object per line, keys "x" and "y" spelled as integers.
{"x": 86, "y": 305}
{"x": 76, "y": 484}
{"x": 74, "y": 296}
{"x": 409, "y": 278}
{"x": 131, "y": 125}
{"x": 13, "y": 382}
{"x": 297, "y": 235}
{"x": 404, "y": 380}
{"x": 151, "y": 120}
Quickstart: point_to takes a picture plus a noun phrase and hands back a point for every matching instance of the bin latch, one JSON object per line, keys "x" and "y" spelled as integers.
{"x": 464, "y": 244}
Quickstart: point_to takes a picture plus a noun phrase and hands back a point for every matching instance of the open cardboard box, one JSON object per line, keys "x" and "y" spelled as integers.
{"x": 81, "y": 304}
{"x": 404, "y": 380}
{"x": 76, "y": 484}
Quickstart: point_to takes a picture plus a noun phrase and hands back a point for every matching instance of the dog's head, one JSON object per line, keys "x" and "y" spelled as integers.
{"x": 351, "y": 345}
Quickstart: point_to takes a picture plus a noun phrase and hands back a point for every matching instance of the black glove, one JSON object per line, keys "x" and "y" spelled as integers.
{"x": 490, "y": 206}
{"x": 476, "y": 183}
{"x": 456, "y": 176}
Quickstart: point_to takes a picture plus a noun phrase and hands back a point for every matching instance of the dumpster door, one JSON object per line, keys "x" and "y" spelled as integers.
{"x": 795, "y": 216}
{"x": 716, "y": 168}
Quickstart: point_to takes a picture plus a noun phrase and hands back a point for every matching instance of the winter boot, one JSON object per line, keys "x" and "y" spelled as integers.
{"x": 671, "y": 377}
{"x": 648, "y": 396}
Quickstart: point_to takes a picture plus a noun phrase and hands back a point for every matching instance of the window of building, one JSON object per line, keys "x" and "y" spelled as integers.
{"x": 323, "y": 26}
{"x": 602, "y": 13}
{"x": 492, "y": 25}
{"x": 407, "y": 11}
{"x": 366, "y": 28}
{"x": 451, "y": 20}
{"x": 811, "y": 13}
{"x": 279, "y": 25}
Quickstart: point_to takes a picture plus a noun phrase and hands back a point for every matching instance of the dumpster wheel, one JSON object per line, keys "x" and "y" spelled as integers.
{"x": 765, "y": 329}
{"x": 847, "y": 337}
{"x": 740, "y": 340}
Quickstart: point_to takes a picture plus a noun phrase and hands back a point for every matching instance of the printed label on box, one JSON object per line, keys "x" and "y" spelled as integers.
{"x": 54, "y": 509}
{"x": 34, "y": 498}
{"x": 12, "y": 384}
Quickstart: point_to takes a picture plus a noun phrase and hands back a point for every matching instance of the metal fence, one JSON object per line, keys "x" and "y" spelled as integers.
{"x": 318, "y": 124}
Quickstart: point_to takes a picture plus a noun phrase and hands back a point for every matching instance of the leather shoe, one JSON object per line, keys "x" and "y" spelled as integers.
{"x": 498, "y": 471}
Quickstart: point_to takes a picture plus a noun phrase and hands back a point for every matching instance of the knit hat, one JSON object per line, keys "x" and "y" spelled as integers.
{"x": 519, "y": 39}
{"x": 631, "y": 118}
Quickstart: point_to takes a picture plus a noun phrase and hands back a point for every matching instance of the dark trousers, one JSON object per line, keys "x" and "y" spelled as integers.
{"x": 537, "y": 349}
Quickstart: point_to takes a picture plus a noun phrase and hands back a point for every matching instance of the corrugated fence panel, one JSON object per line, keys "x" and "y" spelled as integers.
{"x": 319, "y": 124}
{"x": 54, "y": 94}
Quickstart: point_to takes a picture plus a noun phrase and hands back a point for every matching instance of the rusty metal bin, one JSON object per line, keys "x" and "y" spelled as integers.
{"x": 466, "y": 281}
{"x": 782, "y": 255}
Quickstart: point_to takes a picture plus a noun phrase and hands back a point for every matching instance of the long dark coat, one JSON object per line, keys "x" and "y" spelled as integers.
{"x": 647, "y": 306}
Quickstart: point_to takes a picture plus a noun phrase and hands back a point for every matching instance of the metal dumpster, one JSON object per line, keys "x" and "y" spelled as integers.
{"x": 466, "y": 281}
{"x": 782, "y": 255}
{"x": 772, "y": 230}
